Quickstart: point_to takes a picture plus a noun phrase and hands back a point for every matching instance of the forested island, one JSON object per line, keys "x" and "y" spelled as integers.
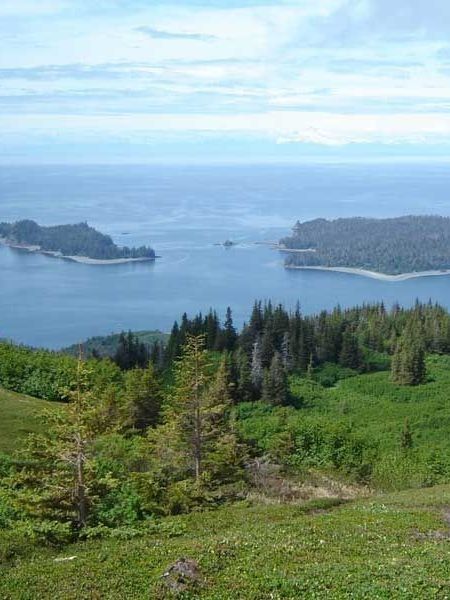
{"x": 78, "y": 242}
{"x": 402, "y": 246}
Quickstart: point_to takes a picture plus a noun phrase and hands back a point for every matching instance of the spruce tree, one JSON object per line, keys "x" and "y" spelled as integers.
{"x": 142, "y": 397}
{"x": 286, "y": 352}
{"x": 196, "y": 441}
{"x": 408, "y": 362}
{"x": 256, "y": 366}
{"x": 244, "y": 386}
{"x": 187, "y": 413}
{"x": 58, "y": 480}
{"x": 229, "y": 335}
{"x": 350, "y": 355}
{"x": 275, "y": 385}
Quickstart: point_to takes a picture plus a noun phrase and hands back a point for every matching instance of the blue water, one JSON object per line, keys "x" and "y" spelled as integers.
{"x": 182, "y": 212}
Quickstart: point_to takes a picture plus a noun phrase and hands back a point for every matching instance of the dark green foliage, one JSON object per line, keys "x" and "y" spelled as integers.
{"x": 350, "y": 355}
{"x": 301, "y": 441}
{"x": 408, "y": 362}
{"x": 143, "y": 396}
{"x": 407, "y": 437}
{"x": 244, "y": 391}
{"x": 229, "y": 335}
{"x": 70, "y": 240}
{"x": 131, "y": 352}
{"x": 175, "y": 436}
{"x": 106, "y": 346}
{"x": 275, "y": 387}
{"x": 195, "y": 456}
{"x": 330, "y": 373}
{"x": 48, "y": 375}
{"x": 398, "y": 245}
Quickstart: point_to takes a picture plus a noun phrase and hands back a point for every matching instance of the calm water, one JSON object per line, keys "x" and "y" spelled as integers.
{"x": 182, "y": 212}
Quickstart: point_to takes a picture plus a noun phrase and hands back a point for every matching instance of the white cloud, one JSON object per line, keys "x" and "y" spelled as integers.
{"x": 283, "y": 127}
{"x": 295, "y": 72}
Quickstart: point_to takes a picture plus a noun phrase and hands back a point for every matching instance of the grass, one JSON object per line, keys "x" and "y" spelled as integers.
{"x": 387, "y": 547}
{"x": 19, "y": 417}
{"x": 375, "y": 407}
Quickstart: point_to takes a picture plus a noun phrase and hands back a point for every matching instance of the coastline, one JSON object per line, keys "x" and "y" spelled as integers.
{"x": 85, "y": 260}
{"x": 374, "y": 274}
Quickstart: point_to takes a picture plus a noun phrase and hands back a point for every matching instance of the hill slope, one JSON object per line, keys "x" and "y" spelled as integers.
{"x": 19, "y": 417}
{"x": 387, "y": 547}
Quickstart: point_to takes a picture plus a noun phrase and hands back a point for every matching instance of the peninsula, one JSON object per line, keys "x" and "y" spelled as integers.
{"x": 392, "y": 249}
{"x": 79, "y": 243}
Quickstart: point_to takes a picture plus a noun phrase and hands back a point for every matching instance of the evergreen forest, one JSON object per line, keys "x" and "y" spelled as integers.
{"x": 70, "y": 240}
{"x": 390, "y": 246}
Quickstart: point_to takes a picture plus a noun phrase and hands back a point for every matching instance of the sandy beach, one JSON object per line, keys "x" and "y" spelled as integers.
{"x": 85, "y": 260}
{"x": 374, "y": 274}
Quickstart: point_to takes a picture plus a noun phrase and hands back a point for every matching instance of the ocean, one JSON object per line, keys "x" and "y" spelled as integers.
{"x": 183, "y": 212}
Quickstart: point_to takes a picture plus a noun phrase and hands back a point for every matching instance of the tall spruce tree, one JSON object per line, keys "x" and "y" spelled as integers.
{"x": 275, "y": 385}
{"x": 58, "y": 480}
{"x": 244, "y": 386}
{"x": 408, "y": 362}
{"x": 257, "y": 371}
{"x": 143, "y": 397}
{"x": 350, "y": 355}
{"x": 229, "y": 335}
{"x": 196, "y": 441}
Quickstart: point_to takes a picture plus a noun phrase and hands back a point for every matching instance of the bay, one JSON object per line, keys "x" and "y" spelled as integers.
{"x": 183, "y": 211}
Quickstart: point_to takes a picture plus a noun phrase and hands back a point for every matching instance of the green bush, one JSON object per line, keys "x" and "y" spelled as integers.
{"x": 330, "y": 373}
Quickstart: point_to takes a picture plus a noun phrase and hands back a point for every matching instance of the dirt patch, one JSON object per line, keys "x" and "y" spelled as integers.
{"x": 270, "y": 485}
{"x": 439, "y": 534}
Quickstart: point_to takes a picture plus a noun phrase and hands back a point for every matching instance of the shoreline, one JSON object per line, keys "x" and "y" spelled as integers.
{"x": 374, "y": 274}
{"x": 84, "y": 260}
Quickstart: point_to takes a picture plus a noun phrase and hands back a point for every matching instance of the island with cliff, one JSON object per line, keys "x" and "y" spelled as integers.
{"x": 390, "y": 249}
{"x": 78, "y": 242}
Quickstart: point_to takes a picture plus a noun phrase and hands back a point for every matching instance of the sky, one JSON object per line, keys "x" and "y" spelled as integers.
{"x": 224, "y": 80}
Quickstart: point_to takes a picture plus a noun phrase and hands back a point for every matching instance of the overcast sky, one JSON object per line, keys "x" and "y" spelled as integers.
{"x": 136, "y": 80}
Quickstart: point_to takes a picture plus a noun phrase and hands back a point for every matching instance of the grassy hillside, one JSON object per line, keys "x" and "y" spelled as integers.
{"x": 19, "y": 416}
{"x": 387, "y": 547}
{"x": 380, "y": 546}
{"x": 375, "y": 406}
{"x": 362, "y": 418}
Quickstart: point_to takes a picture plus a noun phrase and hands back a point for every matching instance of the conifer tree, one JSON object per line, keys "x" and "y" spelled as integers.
{"x": 286, "y": 352}
{"x": 143, "y": 397}
{"x": 310, "y": 369}
{"x": 256, "y": 366}
{"x": 229, "y": 335}
{"x": 244, "y": 387}
{"x": 350, "y": 355}
{"x": 275, "y": 386}
{"x": 188, "y": 404}
{"x": 268, "y": 344}
{"x": 408, "y": 362}
{"x": 222, "y": 452}
{"x": 58, "y": 480}
{"x": 196, "y": 440}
